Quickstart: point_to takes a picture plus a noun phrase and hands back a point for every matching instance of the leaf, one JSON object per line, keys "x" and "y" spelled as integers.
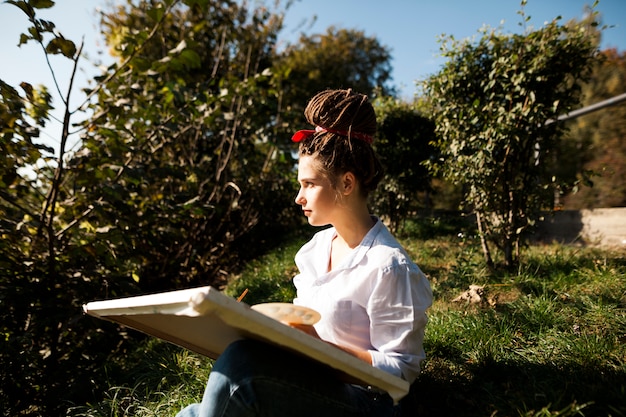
{"x": 190, "y": 58}
{"x": 28, "y": 89}
{"x": 45, "y": 148}
{"x": 24, "y": 38}
{"x": 156, "y": 13}
{"x": 35, "y": 34}
{"x": 26, "y": 8}
{"x": 61, "y": 46}
{"x": 41, "y": 4}
{"x": 179, "y": 48}
{"x": 46, "y": 25}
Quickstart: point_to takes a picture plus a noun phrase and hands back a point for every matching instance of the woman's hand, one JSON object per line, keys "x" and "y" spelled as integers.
{"x": 364, "y": 355}
{"x": 306, "y": 328}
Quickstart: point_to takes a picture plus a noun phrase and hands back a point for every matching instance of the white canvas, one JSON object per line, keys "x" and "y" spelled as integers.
{"x": 206, "y": 321}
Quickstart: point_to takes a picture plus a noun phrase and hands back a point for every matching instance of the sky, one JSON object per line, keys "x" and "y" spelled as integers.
{"x": 410, "y": 29}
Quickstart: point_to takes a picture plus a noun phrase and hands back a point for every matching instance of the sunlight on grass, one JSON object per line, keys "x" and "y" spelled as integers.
{"x": 548, "y": 339}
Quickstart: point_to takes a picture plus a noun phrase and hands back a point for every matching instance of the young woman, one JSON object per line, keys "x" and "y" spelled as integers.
{"x": 371, "y": 296}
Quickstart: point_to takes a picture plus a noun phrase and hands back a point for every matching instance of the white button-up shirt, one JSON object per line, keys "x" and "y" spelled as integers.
{"x": 375, "y": 300}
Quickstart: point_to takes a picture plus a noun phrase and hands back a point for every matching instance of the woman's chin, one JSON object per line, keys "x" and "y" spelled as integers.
{"x": 315, "y": 223}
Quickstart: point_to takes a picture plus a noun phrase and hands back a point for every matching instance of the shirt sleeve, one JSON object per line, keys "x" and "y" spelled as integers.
{"x": 397, "y": 310}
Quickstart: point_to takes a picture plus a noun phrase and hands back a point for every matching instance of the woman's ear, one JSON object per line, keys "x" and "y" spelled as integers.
{"x": 348, "y": 183}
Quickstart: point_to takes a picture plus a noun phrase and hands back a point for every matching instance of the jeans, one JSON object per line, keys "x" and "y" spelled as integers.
{"x": 252, "y": 378}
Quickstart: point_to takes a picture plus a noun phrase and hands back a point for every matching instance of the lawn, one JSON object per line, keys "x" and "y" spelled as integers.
{"x": 548, "y": 339}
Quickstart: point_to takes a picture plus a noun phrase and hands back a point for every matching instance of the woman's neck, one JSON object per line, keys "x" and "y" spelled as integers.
{"x": 353, "y": 229}
{"x": 349, "y": 235}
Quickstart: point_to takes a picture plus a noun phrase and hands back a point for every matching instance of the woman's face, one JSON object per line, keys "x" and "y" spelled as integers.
{"x": 317, "y": 196}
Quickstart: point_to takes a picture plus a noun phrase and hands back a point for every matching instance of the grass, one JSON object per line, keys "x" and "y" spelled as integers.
{"x": 548, "y": 339}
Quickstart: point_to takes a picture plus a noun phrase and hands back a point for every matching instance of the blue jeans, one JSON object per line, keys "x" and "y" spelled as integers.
{"x": 252, "y": 378}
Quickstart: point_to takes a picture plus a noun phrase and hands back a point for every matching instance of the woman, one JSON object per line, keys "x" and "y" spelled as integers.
{"x": 371, "y": 296}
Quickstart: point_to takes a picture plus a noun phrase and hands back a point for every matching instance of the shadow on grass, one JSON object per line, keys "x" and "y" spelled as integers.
{"x": 518, "y": 389}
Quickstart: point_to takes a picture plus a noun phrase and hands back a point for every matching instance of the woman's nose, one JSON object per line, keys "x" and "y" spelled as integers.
{"x": 299, "y": 198}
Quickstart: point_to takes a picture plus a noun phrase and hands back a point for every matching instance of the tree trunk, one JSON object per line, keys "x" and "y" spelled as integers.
{"x": 483, "y": 241}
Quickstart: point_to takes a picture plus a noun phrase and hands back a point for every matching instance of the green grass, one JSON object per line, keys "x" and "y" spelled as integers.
{"x": 269, "y": 278}
{"x": 548, "y": 340}
{"x": 552, "y": 341}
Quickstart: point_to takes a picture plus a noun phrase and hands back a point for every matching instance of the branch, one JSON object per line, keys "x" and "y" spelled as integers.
{"x": 58, "y": 174}
{"x": 130, "y": 57}
{"x": 46, "y": 55}
{"x": 91, "y": 207}
{"x": 9, "y": 199}
{"x": 84, "y": 214}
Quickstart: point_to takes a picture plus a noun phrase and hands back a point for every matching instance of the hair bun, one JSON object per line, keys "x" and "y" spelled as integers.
{"x": 343, "y": 110}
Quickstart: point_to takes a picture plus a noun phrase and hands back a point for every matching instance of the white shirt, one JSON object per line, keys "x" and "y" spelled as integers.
{"x": 375, "y": 300}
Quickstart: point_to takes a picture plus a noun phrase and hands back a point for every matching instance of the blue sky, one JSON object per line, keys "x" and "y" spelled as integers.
{"x": 409, "y": 28}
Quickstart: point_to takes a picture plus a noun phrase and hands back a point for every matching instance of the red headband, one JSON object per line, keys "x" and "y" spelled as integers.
{"x": 300, "y": 135}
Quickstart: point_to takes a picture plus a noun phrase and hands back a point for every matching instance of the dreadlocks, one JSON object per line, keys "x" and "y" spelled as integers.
{"x": 343, "y": 117}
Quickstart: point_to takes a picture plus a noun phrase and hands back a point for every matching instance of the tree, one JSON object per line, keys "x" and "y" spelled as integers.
{"x": 596, "y": 141}
{"x": 178, "y": 160}
{"x": 181, "y": 152}
{"x": 40, "y": 279}
{"x": 403, "y": 142}
{"x": 491, "y": 102}
{"x": 339, "y": 58}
